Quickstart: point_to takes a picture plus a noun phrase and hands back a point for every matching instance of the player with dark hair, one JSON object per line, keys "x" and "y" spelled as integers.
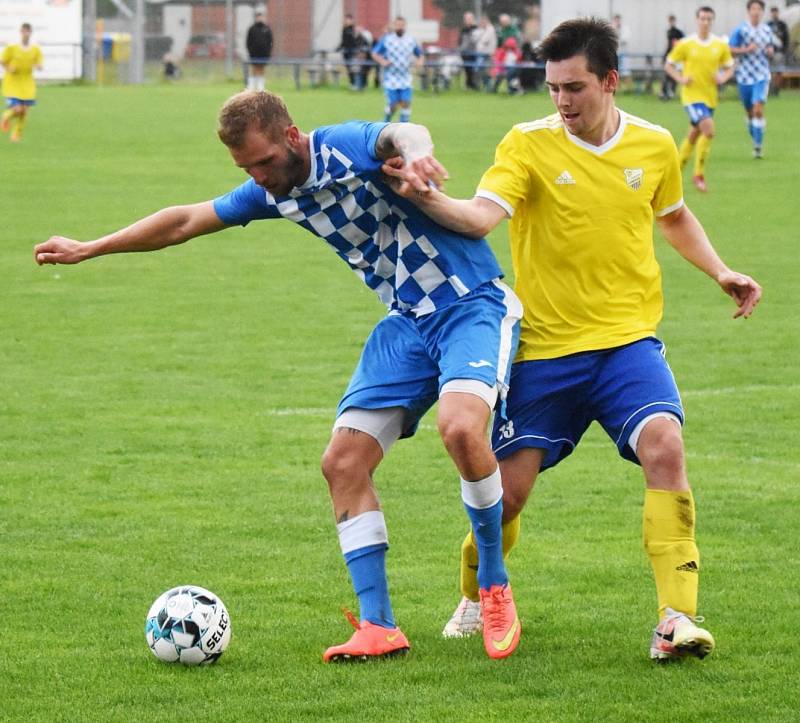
{"x": 19, "y": 86}
{"x": 582, "y": 188}
{"x": 706, "y": 63}
{"x": 449, "y": 336}
{"x": 753, "y": 44}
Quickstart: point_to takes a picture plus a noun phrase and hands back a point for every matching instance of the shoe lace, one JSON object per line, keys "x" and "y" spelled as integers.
{"x": 352, "y": 619}
{"x": 495, "y": 613}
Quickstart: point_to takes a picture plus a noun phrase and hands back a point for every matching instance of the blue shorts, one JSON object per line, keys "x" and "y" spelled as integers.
{"x": 397, "y": 95}
{"x": 552, "y": 402}
{"x": 407, "y": 360}
{"x": 698, "y": 112}
{"x": 754, "y": 93}
{"x": 11, "y": 102}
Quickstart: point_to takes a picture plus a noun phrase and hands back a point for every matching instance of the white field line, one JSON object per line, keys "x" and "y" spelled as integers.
{"x": 711, "y": 392}
{"x": 747, "y": 389}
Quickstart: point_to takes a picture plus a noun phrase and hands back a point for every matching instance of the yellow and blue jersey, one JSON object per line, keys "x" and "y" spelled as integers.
{"x": 701, "y": 60}
{"x": 581, "y": 231}
{"x": 19, "y": 62}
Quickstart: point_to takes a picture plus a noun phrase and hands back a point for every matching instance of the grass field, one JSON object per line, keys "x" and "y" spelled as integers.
{"x": 162, "y": 418}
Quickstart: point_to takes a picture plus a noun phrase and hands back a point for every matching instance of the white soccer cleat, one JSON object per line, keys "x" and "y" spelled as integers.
{"x": 467, "y": 620}
{"x": 677, "y": 636}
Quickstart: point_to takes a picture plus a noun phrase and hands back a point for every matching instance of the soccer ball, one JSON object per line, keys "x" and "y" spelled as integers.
{"x": 188, "y": 624}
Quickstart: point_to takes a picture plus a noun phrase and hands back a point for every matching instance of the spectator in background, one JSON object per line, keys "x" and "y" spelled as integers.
{"x": 507, "y": 29}
{"x": 530, "y": 78}
{"x": 506, "y": 58}
{"x": 364, "y": 60}
{"x": 623, "y": 61}
{"x": 781, "y": 32}
{"x": 674, "y": 34}
{"x": 467, "y": 48}
{"x": 485, "y": 46}
{"x": 259, "y": 48}
{"x": 348, "y": 47}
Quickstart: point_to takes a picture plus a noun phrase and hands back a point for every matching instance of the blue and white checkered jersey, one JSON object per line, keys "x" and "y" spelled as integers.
{"x": 400, "y": 51}
{"x": 752, "y": 67}
{"x": 413, "y": 264}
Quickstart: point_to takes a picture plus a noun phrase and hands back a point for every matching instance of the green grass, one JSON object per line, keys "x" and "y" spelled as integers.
{"x": 162, "y": 418}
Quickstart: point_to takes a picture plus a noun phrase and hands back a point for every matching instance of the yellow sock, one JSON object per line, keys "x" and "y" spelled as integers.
{"x": 703, "y": 149}
{"x": 685, "y": 151}
{"x": 469, "y": 557}
{"x": 669, "y": 541}
{"x": 18, "y": 128}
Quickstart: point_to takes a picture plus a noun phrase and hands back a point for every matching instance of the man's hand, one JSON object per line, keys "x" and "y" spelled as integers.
{"x": 414, "y": 178}
{"x": 745, "y": 291}
{"x": 686, "y": 80}
{"x": 59, "y": 250}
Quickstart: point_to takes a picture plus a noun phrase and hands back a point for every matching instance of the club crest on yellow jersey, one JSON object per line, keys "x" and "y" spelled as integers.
{"x": 634, "y": 177}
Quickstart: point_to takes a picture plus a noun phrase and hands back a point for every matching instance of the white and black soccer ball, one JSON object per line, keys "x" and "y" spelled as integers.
{"x": 189, "y": 625}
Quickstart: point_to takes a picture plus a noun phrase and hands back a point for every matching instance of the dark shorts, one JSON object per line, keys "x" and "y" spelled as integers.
{"x": 552, "y": 402}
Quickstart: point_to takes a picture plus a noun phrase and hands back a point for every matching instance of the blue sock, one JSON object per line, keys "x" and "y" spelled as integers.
{"x": 487, "y": 526}
{"x": 367, "y": 566}
{"x": 387, "y": 114}
{"x": 758, "y": 132}
{"x": 751, "y": 128}
{"x": 405, "y": 115}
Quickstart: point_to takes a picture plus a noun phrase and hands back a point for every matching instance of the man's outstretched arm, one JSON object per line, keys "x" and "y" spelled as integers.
{"x": 167, "y": 227}
{"x": 684, "y": 232}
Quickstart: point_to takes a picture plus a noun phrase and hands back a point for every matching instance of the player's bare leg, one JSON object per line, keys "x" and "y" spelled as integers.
{"x": 348, "y": 465}
{"x": 669, "y": 538}
{"x": 706, "y": 134}
{"x": 518, "y": 472}
{"x": 462, "y": 421}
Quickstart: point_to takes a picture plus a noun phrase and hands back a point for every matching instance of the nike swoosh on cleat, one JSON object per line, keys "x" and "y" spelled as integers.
{"x": 391, "y": 638}
{"x": 505, "y": 643}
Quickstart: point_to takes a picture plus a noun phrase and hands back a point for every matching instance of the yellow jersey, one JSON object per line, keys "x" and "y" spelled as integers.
{"x": 581, "y": 231}
{"x": 701, "y": 60}
{"x": 18, "y": 63}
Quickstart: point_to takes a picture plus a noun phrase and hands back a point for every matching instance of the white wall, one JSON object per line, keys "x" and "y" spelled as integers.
{"x": 57, "y": 28}
{"x": 178, "y": 25}
{"x": 646, "y": 19}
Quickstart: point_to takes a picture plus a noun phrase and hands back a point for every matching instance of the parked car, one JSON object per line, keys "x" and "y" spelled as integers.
{"x": 210, "y": 45}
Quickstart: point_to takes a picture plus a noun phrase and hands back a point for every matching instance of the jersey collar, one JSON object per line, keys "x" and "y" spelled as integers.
{"x": 608, "y": 145}
{"x": 312, "y": 173}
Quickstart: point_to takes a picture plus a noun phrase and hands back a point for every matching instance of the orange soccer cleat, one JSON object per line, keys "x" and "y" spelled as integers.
{"x": 501, "y": 626}
{"x": 369, "y": 642}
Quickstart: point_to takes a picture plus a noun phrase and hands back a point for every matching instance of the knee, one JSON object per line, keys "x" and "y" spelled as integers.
{"x": 341, "y": 469}
{"x": 661, "y": 454}
{"x": 513, "y": 501}
{"x": 460, "y": 433}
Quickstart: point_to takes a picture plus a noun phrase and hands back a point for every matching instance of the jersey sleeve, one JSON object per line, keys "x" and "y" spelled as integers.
{"x": 356, "y": 140}
{"x": 678, "y": 54}
{"x": 669, "y": 193}
{"x": 5, "y": 58}
{"x": 38, "y": 58}
{"x": 243, "y": 204}
{"x": 417, "y": 50}
{"x": 726, "y": 59}
{"x": 735, "y": 39}
{"x": 508, "y": 181}
{"x": 380, "y": 47}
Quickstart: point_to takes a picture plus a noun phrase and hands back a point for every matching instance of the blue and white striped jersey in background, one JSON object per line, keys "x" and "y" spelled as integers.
{"x": 752, "y": 67}
{"x": 413, "y": 264}
{"x": 400, "y": 51}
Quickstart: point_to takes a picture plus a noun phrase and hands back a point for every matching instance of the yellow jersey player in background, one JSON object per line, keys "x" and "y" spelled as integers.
{"x": 582, "y": 188}
{"x": 706, "y": 63}
{"x": 19, "y": 86}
